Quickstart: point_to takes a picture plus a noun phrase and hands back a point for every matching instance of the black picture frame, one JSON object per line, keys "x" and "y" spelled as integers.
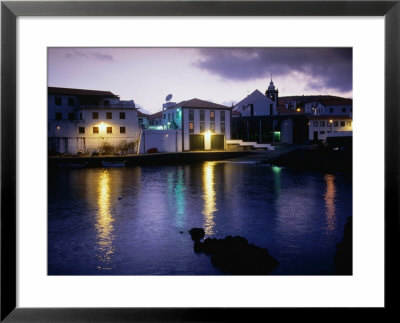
{"x": 10, "y": 10}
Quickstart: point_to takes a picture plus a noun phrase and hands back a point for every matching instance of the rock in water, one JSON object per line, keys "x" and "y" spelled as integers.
{"x": 197, "y": 234}
{"x": 344, "y": 252}
{"x": 235, "y": 256}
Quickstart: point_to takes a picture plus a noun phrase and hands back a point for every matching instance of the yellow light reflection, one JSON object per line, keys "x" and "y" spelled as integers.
{"x": 104, "y": 222}
{"x": 209, "y": 197}
{"x": 329, "y": 198}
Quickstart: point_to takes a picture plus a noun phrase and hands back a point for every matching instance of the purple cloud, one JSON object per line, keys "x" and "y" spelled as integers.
{"x": 328, "y": 67}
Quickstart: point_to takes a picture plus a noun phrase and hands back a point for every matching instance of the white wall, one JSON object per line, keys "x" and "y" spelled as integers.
{"x": 327, "y": 127}
{"x": 163, "y": 140}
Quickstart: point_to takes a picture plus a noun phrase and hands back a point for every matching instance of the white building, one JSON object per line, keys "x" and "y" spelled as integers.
{"x": 329, "y": 115}
{"x": 322, "y": 125}
{"x": 204, "y": 125}
{"x": 87, "y": 121}
{"x": 258, "y": 104}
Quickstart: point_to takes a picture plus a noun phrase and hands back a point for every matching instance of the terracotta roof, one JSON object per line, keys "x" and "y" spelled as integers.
{"x": 157, "y": 115}
{"x": 331, "y": 102}
{"x": 327, "y": 117}
{"x": 141, "y": 114}
{"x": 197, "y": 103}
{"x": 68, "y": 91}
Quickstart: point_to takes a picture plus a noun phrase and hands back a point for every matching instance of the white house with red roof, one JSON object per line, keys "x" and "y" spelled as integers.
{"x": 87, "y": 121}
{"x": 204, "y": 125}
{"x": 328, "y": 116}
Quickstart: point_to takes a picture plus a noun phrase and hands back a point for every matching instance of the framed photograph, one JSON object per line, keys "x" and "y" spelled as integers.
{"x": 195, "y": 160}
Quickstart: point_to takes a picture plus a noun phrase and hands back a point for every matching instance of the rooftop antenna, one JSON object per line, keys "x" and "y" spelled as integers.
{"x": 168, "y": 98}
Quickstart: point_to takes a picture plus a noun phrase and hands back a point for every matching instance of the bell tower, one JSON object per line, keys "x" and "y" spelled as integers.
{"x": 272, "y": 94}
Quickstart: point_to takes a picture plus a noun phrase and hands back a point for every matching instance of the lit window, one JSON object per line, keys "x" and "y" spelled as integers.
{"x": 95, "y": 115}
{"x": 191, "y": 127}
{"x": 109, "y": 129}
{"x": 122, "y": 130}
{"x": 81, "y": 129}
{"x": 348, "y": 123}
{"x": 95, "y": 129}
{"x": 108, "y": 115}
{"x": 212, "y": 115}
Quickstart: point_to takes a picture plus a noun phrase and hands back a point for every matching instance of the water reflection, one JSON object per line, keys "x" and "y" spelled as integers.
{"x": 176, "y": 194}
{"x": 104, "y": 222}
{"x": 330, "y": 209}
{"x": 209, "y": 197}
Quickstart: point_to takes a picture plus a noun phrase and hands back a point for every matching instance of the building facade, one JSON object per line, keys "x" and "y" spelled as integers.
{"x": 204, "y": 125}
{"x": 87, "y": 121}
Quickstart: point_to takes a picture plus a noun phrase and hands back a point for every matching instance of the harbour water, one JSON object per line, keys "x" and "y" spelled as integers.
{"x": 135, "y": 220}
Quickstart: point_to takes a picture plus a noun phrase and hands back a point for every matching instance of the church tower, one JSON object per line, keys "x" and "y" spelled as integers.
{"x": 272, "y": 94}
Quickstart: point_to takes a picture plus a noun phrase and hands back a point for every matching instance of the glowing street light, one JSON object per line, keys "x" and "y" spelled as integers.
{"x": 102, "y": 126}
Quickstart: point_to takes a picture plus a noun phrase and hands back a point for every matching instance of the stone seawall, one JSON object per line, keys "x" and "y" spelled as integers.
{"x": 149, "y": 159}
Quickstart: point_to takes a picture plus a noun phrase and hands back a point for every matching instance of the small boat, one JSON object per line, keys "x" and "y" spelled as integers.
{"x": 113, "y": 164}
{"x": 73, "y": 165}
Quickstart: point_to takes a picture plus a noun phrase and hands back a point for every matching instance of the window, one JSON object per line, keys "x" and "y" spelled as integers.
{"x": 122, "y": 130}
{"x": 202, "y": 126}
{"x": 322, "y": 124}
{"x": 106, "y": 103}
{"x": 58, "y": 100}
{"x": 331, "y": 110}
{"x": 165, "y": 116}
{"x": 212, "y": 126}
{"x": 58, "y": 116}
{"x": 322, "y": 132}
{"x": 173, "y": 116}
{"x": 335, "y": 123}
{"x": 315, "y": 123}
{"x": 108, "y": 115}
{"x": 71, "y": 102}
{"x": 222, "y": 116}
{"x": 348, "y": 123}
{"x": 191, "y": 126}
{"x": 95, "y": 129}
{"x": 109, "y": 129}
{"x": 342, "y": 123}
{"x": 343, "y": 110}
{"x": 191, "y": 115}
{"x": 212, "y": 115}
{"x": 169, "y": 116}
{"x": 71, "y": 116}
{"x": 81, "y": 129}
{"x": 95, "y": 115}
{"x": 222, "y": 127}
{"x": 201, "y": 115}
{"x": 122, "y": 115}
{"x": 80, "y": 116}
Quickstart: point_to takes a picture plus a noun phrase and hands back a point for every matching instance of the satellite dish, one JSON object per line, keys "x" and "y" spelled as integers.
{"x": 169, "y": 97}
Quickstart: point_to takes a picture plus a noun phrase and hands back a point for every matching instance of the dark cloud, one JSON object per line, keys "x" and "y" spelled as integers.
{"x": 90, "y": 55}
{"x": 328, "y": 67}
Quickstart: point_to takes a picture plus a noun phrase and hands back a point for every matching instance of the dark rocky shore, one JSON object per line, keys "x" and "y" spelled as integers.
{"x": 234, "y": 255}
{"x": 319, "y": 159}
{"x": 344, "y": 252}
